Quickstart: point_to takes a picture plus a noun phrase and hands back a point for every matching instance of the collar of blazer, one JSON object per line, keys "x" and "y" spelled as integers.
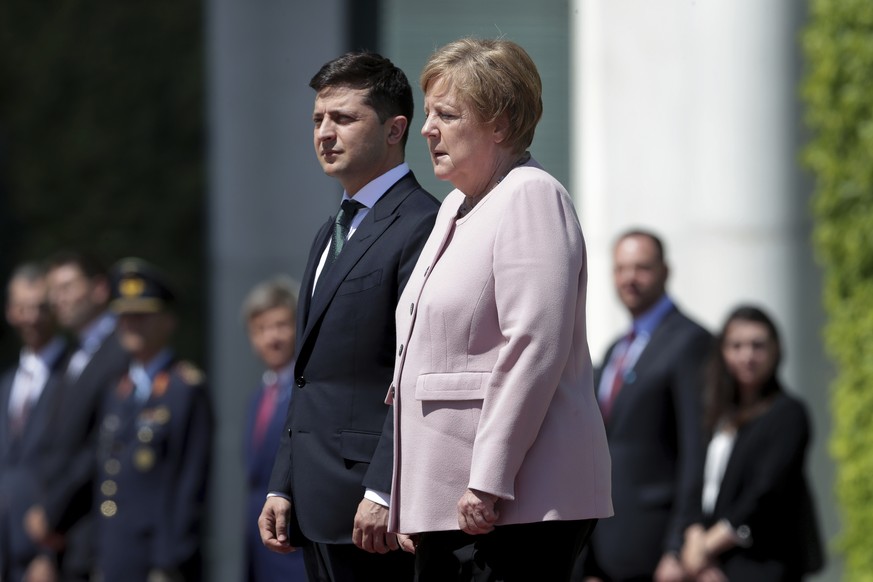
{"x": 381, "y": 216}
{"x": 654, "y": 343}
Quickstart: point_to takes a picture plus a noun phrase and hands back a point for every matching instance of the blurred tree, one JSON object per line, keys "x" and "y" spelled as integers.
{"x": 838, "y": 91}
{"x": 102, "y": 115}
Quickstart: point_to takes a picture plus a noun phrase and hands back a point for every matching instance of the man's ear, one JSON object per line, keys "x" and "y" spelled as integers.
{"x": 396, "y": 129}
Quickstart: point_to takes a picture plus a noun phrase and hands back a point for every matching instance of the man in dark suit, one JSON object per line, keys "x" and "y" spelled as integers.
{"x": 332, "y": 479}
{"x": 649, "y": 391}
{"x": 28, "y": 400}
{"x": 154, "y": 443}
{"x": 269, "y": 312}
{"x": 79, "y": 296}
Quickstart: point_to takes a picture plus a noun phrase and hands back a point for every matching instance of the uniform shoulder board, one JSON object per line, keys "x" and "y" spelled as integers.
{"x": 190, "y": 373}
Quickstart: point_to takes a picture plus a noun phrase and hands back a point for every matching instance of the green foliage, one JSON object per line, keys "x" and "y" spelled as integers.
{"x": 101, "y": 128}
{"x": 838, "y": 90}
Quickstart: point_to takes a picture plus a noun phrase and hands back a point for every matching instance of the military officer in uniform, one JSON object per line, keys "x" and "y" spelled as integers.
{"x": 154, "y": 443}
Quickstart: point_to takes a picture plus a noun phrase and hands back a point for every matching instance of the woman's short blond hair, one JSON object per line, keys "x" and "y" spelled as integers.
{"x": 496, "y": 77}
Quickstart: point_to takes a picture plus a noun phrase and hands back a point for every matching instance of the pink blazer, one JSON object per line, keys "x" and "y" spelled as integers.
{"x": 493, "y": 384}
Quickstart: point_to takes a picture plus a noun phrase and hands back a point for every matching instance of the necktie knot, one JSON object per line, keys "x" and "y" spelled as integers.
{"x": 341, "y": 227}
{"x": 348, "y": 209}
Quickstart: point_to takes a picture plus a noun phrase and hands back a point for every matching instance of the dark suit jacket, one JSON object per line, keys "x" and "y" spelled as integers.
{"x": 20, "y": 464}
{"x": 655, "y": 439}
{"x": 261, "y": 563}
{"x": 68, "y": 469}
{"x": 339, "y": 436}
{"x": 763, "y": 492}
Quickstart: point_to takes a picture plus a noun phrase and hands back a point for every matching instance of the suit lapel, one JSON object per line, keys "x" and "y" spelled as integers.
{"x": 5, "y": 390}
{"x": 650, "y": 352}
{"x": 305, "y": 299}
{"x": 374, "y": 225}
{"x": 44, "y": 409}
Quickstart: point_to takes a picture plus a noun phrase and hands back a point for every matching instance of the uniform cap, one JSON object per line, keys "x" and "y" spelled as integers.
{"x": 138, "y": 287}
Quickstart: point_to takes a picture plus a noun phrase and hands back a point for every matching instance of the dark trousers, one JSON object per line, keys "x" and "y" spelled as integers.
{"x": 348, "y": 563}
{"x": 511, "y": 553}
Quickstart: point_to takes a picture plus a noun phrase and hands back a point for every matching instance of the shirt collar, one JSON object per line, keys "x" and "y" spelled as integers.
{"x": 158, "y": 363}
{"x": 374, "y": 190}
{"x": 646, "y": 323}
{"x": 46, "y": 357}
{"x": 97, "y": 331}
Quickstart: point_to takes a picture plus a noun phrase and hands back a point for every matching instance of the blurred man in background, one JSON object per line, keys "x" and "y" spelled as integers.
{"x": 79, "y": 295}
{"x": 28, "y": 403}
{"x": 269, "y": 312}
{"x": 154, "y": 443}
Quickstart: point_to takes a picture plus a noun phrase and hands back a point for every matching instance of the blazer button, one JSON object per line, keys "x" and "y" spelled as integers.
{"x": 301, "y": 381}
{"x": 411, "y": 307}
{"x": 400, "y": 353}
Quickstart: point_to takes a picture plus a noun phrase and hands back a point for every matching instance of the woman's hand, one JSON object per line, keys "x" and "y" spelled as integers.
{"x": 476, "y": 512}
{"x": 694, "y": 557}
{"x": 408, "y": 543}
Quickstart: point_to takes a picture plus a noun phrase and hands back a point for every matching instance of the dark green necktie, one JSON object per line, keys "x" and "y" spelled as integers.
{"x": 341, "y": 230}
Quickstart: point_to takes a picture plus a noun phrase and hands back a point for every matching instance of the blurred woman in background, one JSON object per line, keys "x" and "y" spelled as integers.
{"x": 756, "y": 517}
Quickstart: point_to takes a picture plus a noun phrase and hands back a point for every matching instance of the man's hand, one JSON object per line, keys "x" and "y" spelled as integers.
{"x": 712, "y": 574}
{"x": 694, "y": 558}
{"x": 37, "y": 527}
{"x": 36, "y": 524}
{"x": 164, "y": 575}
{"x": 370, "y": 532}
{"x": 476, "y": 512}
{"x": 41, "y": 569}
{"x": 273, "y": 525}
{"x": 669, "y": 570}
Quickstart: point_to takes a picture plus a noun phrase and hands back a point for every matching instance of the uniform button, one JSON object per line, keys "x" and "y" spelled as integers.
{"x": 301, "y": 381}
{"x": 108, "y": 508}
{"x": 108, "y": 488}
{"x": 411, "y": 307}
{"x": 400, "y": 353}
{"x": 145, "y": 434}
{"x": 112, "y": 466}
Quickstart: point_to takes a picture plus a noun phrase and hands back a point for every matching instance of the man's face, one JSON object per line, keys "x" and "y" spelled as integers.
{"x": 143, "y": 335}
{"x": 350, "y": 141}
{"x": 75, "y": 298}
{"x": 27, "y": 311}
{"x": 639, "y": 273}
{"x": 272, "y": 334}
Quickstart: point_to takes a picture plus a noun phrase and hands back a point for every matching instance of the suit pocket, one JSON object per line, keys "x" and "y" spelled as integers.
{"x": 455, "y": 386}
{"x": 358, "y": 446}
{"x": 359, "y": 284}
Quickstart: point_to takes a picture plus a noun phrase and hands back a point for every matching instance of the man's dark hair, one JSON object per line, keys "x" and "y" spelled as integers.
{"x": 90, "y": 265}
{"x": 656, "y": 240}
{"x": 388, "y": 90}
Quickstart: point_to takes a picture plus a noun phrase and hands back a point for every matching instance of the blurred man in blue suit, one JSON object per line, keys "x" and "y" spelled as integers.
{"x": 269, "y": 312}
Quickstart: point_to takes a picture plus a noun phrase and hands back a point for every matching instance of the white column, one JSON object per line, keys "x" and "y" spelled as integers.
{"x": 688, "y": 122}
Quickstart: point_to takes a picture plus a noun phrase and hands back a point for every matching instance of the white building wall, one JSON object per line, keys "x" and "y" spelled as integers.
{"x": 687, "y": 121}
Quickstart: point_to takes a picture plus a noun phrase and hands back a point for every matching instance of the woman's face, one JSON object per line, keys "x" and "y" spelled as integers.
{"x": 463, "y": 150}
{"x": 750, "y": 353}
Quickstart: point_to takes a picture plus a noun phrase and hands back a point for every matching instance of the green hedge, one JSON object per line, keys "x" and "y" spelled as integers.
{"x": 101, "y": 137}
{"x": 838, "y": 91}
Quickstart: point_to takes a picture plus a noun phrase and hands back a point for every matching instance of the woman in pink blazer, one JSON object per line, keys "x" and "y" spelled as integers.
{"x": 501, "y": 463}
